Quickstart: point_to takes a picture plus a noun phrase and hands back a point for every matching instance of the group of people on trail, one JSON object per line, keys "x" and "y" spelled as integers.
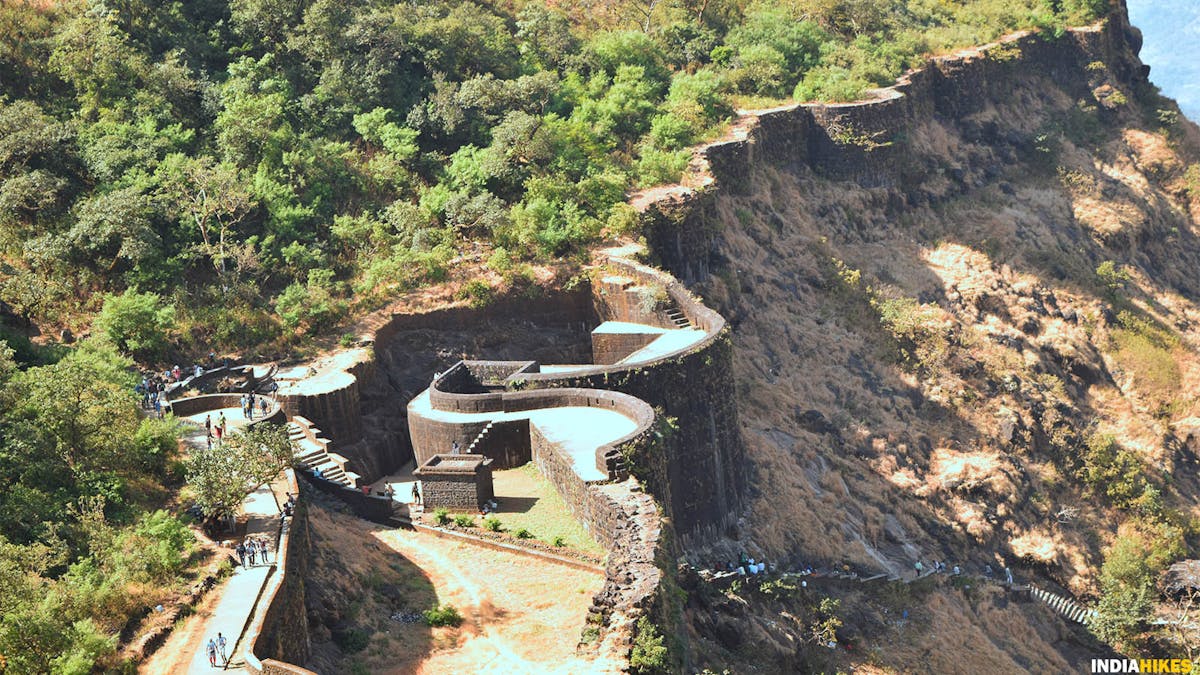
{"x": 251, "y": 549}
{"x": 748, "y": 566}
{"x": 940, "y": 567}
{"x": 250, "y": 402}
{"x": 218, "y": 648}
{"x": 216, "y": 431}
{"x": 152, "y": 391}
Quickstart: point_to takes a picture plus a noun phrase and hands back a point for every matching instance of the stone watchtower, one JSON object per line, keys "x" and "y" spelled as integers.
{"x": 456, "y": 481}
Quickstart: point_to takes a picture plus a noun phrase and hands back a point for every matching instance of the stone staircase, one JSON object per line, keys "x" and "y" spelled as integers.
{"x": 476, "y": 446}
{"x": 312, "y": 453}
{"x": 1064, "y": 606}
{"x": 675, "y": 316}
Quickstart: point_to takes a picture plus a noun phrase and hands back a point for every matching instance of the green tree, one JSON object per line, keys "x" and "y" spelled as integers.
{"x": 211, "y": 196}
{"x": 221, "y": 476}
{"x": 136, "y": 323}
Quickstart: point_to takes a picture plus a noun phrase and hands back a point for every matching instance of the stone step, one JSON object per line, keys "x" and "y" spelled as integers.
{"x": 313, "y": 458}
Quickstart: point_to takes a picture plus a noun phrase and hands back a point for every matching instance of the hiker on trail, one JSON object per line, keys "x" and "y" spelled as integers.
{"x": 158, "y": 410}
{"x": 241, "y": 553}
{"x": 919, "y": 567}
{"x": 1008, "y": 576}
{"x": 221, "y": 646}
{"x": 957, "y": 570}
{"x": 177, "y": 373}
{"x": 212, "y": 652}
{"x": 416, "y": 494}
{"x": 197, "y": 371}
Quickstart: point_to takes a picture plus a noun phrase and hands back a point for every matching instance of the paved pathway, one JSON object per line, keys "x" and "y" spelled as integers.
{"x": 237, "y": 595}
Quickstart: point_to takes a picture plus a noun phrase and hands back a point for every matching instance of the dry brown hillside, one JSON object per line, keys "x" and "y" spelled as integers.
{"x": 989, "y": 360}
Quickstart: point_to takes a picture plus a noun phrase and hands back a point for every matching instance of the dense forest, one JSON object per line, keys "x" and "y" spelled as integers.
{"x": 178, "y": 177}
{"x": 252, "y": 171}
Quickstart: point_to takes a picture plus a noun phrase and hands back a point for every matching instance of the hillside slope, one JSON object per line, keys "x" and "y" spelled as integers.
{"x": 974, "y": 339}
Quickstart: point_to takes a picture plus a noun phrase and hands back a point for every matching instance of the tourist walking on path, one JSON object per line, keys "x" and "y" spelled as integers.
{"x": 208, "y": 425}
{"x": 919, "y": 567}
{"x": 252, "y": 551}
{"x": 221, "y": 421}
{"x": 242, "y": 400}
{"x": 221, "y": 646}
{"x": 416, "y": 494}
{"x": 241, "y": 554}
{"x": 1008, "y": 576}
{"x": 262, "y": 405}
{"x": 262, "y": 548}
{"x": 212, "y": 652}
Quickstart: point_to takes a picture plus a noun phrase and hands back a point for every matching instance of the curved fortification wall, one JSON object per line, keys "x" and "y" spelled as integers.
{"x": 193, "y": 405}
{"x": 694, "y": 464}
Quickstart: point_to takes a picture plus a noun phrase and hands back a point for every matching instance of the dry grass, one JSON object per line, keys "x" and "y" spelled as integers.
{"x": 521, "y": 616}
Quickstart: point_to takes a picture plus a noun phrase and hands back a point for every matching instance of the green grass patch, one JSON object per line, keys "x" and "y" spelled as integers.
{"x": 541, "y": 513}
{"x": 1147, "y": 350}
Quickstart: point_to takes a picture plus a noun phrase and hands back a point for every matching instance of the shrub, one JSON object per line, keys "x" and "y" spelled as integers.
{"x": 657, "y": 167}
{"x": 136, "y": 323}
{"x": 559, "y": 541}
{"x": 476, "y": 292}
{"x": 523, "y": 533}
{"x": 492, "y": 524}
{"x": 1115, "y": 471}
{"x": 346, "y": 340}
{"x": 649, "y": 654}
{"x": 464, "y": 520}
{"x": 314, "y": 305}
{"x": 1112, "y": 276}
{"x": 442, "y": 615}
{"x": 351, "y": 641}
{"x": 441, "y": 517}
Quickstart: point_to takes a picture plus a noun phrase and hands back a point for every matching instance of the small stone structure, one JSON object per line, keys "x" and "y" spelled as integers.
{"x": 456, "y": 481}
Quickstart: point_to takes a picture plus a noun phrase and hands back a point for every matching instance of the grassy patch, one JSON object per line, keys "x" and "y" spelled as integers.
{"x": 530, "y": 505}
{"x": 1147, "y": 351}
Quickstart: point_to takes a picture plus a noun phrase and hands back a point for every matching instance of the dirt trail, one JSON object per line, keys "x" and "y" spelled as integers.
{"x": 520, "y": 617}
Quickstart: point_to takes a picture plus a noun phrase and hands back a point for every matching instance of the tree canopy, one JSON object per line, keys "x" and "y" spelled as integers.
{"x": 216, "y": 154}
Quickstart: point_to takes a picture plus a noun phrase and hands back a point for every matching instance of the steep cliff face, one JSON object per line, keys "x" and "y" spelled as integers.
{"x": 965, "y": 316}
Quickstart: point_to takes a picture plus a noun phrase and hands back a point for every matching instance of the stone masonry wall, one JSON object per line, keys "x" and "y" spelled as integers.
{"x": 278, "y": 631}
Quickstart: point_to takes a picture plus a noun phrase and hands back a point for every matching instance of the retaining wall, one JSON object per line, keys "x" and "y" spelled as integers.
{"x": 194, "y": 405}
{"x": 277, "y": 635}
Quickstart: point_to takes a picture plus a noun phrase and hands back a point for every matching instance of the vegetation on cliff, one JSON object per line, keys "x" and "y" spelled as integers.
{"x": 265, "y": 168}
